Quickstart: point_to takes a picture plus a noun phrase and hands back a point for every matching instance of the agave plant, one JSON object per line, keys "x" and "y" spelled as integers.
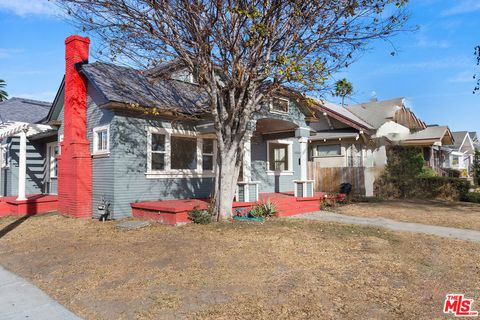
{"x": 264, "y": 209}
{"x": 3, "y": 93}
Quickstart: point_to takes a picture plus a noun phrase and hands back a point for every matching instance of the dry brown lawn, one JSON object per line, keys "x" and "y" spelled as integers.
{"x": 282, "y": 269}
{"x": 435, "y": 212}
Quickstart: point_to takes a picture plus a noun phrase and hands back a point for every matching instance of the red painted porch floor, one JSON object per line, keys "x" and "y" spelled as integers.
{"x": 35, "y": 204}
{"x": 175, "y": 212}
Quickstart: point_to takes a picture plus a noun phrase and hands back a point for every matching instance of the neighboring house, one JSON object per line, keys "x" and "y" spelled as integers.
{"x": 397, "y": 124}
{"x": 461, "y": 153}
{"x": 22, "y": 117}
{"x": 475, "y": 139}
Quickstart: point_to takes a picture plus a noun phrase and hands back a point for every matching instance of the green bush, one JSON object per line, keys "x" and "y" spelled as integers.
{"x": 427, "y": 172}
{"x": 264, "y": 209}
{"x": 424, "y": 188}
{"x": 472, "y": 197}
{"x": 404, "y": 161}
{"x": 200, "y": 216}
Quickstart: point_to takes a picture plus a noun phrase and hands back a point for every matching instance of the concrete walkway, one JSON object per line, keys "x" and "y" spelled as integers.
{"x": 20, "y": 299}
{"x": 462, "y": 234}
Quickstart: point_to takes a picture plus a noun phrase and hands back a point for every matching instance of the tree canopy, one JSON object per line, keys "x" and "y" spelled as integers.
{"x": 343, "y": 89}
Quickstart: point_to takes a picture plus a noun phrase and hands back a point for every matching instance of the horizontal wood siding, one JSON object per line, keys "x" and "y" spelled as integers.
{"x": 102, "y": 166}
{"x": 128, "y": 147}
{"x": 330, "y": 179}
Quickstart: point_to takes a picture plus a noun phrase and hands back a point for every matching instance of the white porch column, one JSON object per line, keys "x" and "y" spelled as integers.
{"x": 22, "y": 165}
{"x": 247, "y": 158}
{"x": 303, "y": 157}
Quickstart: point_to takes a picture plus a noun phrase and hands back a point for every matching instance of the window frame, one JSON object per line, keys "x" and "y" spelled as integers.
{"x": 272, "y": 109}
{"x": 95, "y": 149}
{"x": 5, "y": 149}
{"x": 318, "y": 155}
{"x": 180, "y": 173}
{"x": 289, "y": 171}
{"x": 52, "y": 158}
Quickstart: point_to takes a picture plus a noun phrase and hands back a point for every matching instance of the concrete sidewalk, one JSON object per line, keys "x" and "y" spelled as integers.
{"x": 20, "y": 299}
{"x": 462, "y": 234}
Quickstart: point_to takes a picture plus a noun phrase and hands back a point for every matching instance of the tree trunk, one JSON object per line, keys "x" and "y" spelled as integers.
{"x": 225, "y": 182}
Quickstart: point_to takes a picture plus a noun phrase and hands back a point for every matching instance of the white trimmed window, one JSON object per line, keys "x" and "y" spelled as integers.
{"x": 181, "y": 153}
{"x": 279, "y": 105}
{"x": 279, "y": 157}
{"x": 101, "y": 140}
{"x": 52, "y": 153}
{"x": 208, "y": 154}
{"x": 329, "y": 150}
{"x": 5, "y": 155}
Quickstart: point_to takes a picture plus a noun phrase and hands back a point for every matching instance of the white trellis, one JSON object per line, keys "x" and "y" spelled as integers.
{"x": 22, "y": 130}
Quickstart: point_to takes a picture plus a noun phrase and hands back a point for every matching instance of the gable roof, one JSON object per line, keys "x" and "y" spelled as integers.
{"x": 459, "y": 137}
{"x": 430, "y": 135}
{"x": 23, "y": 110}
{"x": 376, "y": 113}
{"x": 341, "y": 114}
{"x": 130, "y": 86}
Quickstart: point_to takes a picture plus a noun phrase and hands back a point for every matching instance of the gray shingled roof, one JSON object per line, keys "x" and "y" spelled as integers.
{"x": 23, "y": 110}
{"x": 127, "y": 85}
{"x": 436, "y": 132}
{"x": 458, "y": 136}
{"x": 346, "y": 113}
{"x": 377, "y": 113}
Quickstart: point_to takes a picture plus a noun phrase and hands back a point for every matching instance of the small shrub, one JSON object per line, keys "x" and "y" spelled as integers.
{"x": 264, "y": 209}
{"x": 200, "y": 216}
{"x": 472, "y": 197}
{"x": 427, "y": 172}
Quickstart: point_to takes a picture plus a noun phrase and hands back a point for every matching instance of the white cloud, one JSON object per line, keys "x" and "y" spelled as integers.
{"x": 7, "y": 53}
{"x": 424, "y": 42}
{"x": 464, "y": 6}
{"x": 29, "y": 7}
{"x": 462, "y": 77}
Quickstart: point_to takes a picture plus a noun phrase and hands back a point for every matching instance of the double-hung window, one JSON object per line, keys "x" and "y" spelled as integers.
{"x": 179, "y": 153}
{"x": 101, "y": 137}
{"x": 208, "y": 154}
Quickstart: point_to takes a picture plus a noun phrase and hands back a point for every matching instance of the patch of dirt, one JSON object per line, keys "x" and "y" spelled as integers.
{"x": 282, "y": 269}
{"x": 434, "y": 212}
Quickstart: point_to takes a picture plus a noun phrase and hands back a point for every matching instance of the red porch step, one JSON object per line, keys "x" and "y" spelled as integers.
{"x": 175, "y": 212}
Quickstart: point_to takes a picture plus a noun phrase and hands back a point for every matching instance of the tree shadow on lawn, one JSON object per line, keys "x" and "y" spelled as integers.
{"x": 12, "y": 226}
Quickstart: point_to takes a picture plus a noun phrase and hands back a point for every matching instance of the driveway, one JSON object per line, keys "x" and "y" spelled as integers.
{"x": 462, "y": 234}
{"x": 20, "y": 299}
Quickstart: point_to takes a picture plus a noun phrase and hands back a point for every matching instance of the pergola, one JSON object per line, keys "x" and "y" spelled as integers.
{"x": 22, "y": 130}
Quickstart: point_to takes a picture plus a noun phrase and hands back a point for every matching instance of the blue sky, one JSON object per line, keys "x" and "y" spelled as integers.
{"x": 433, "y": 67}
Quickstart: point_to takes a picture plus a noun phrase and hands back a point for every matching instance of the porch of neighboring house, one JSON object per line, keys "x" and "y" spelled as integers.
{"x": 175, "y": 212}
{"x": 21, "y": 203}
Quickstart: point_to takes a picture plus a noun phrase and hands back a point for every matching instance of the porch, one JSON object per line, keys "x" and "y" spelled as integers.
{"x": 175, "y": 212}
{"x": 32, "y": 204}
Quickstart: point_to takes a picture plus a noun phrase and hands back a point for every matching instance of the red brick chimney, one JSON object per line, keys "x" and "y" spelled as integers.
{"x": 75, "y": 163}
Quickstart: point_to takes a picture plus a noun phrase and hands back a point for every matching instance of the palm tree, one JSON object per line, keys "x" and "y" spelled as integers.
{"x": 3, "y": 93}
{"x": 343, "y": 88}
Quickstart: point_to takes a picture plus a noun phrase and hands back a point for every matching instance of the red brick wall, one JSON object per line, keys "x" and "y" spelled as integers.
{"x": 75, "y": 163}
